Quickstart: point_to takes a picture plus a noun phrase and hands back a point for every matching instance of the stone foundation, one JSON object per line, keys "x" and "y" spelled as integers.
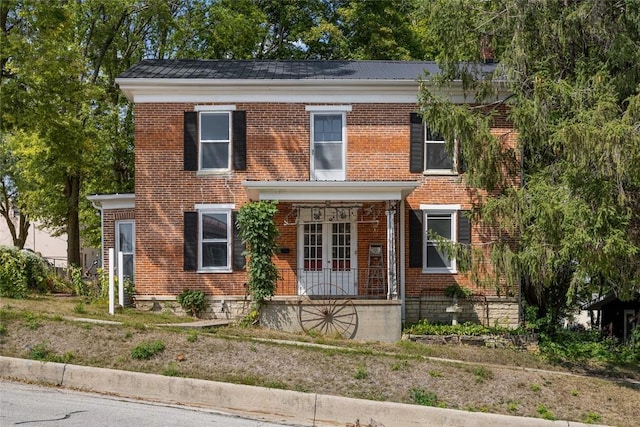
{"x": 229, "y": 307}
{"x": 489, "y": 311}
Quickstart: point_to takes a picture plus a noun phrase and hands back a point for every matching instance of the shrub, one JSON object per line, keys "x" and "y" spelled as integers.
{"x": 193, "y": 302}
{"x": 146, "y": 350}
{"x": 423, "y": 327}
{"x": 457, "y": 291}
{"x": 425, "y": 398}
{"x": 21, "y": 271}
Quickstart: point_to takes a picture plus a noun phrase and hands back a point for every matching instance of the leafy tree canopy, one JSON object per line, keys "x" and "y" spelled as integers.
{"x": 573, "y": 72}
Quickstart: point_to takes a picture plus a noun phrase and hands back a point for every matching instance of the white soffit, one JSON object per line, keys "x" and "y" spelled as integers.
{"x": 113, "y": 201}
{"x": 292, "y": 191}
{"x": 287, "y": 91}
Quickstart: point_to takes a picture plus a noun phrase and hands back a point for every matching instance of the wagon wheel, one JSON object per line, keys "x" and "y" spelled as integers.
{"x": 331, "y": 315}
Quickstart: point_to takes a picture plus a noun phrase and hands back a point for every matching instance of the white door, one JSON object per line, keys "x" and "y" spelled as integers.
{"x": 327, "y": 263}
{"x": 125, "y": 243}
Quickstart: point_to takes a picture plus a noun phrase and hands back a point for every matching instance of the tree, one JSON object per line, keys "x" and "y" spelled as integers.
{"x": 63, "y": 116}
{"x": 573, "y": 70}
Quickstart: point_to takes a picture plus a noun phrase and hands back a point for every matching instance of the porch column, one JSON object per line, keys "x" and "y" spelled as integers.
{"x": 392, "y": 280}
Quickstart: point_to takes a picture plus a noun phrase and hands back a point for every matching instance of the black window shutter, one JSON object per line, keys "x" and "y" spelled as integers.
{"x": 416, "y": 144}
{"x": 239, "y": 261}
{"x": 190, "y": 241}
{"x": 464, "y": 227}
{"x": 190, "y": 141}
{"x": 416, "y": 233}
{"x": 239, "y": 123}
{"x": 462, "y": 168}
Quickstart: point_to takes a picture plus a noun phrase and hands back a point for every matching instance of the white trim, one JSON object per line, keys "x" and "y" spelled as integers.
{"x": 327, "y": 174}
{"x": 113, "y": 201}
{"x": 440, "y": 207}
{"x": 328, "y": 108}
{"x": 214, "y": 108}
{"x": 228, "y": 142}
{"x": 288, "y": 91}
{"x": 352, "y": 191}
{"x": 117, "y": 224}
{"x": 213, "y": 206}
{"x": 439, "y": 210}
{"x": 229, "y": 241}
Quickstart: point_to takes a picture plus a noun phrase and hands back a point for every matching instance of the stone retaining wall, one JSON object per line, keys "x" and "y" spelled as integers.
{"x": 488, "y": 311}
{"x": 492, "y": 341}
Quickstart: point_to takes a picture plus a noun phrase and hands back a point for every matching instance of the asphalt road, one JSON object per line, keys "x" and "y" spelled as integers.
{"x": 31, "y": 405}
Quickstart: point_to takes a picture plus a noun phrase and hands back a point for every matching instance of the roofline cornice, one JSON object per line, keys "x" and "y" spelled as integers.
{"x": 282, "y": 90}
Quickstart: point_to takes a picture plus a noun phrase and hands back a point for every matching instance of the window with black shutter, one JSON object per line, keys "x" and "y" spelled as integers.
{"x": 215, "y": 140}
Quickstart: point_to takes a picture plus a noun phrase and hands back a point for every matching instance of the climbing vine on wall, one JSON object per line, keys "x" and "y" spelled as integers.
{"x": 259, "y": 232}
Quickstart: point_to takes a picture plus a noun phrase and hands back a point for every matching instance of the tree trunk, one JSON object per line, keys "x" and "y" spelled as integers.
{"x": 72, "y": 191}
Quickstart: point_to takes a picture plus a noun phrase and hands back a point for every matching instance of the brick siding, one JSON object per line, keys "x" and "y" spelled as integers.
{"x": 278, "y": 148}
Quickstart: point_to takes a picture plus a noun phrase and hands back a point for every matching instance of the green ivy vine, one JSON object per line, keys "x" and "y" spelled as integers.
{"x": 256, "y": 221}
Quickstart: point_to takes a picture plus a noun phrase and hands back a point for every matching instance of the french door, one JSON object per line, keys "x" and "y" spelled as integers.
{"x": 327, "y": 263}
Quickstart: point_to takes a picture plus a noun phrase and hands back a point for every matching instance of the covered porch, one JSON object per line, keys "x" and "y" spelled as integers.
{"x": 341, "y": 257}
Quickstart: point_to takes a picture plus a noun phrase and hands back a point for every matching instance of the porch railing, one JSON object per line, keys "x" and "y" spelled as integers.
{"x": 356, "y": 283}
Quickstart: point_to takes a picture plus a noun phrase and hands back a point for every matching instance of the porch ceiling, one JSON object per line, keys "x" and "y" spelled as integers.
{"x": 329, "y": 190}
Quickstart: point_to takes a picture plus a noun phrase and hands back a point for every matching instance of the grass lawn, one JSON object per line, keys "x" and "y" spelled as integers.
{"x": 505, "y": 381}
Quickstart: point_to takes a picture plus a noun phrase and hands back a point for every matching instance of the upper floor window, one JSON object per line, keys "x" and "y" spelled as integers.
{"x": 428, "y": 150}
{"x": 436, "y": 157}
{"x": 215, "y": 139}
{"x": 328, "y": 142}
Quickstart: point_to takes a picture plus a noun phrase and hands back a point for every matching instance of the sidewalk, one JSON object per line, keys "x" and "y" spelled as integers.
{"x": 274, "y": 405}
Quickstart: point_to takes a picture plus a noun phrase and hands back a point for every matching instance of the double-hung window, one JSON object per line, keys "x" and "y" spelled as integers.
{"x": 215, "y": 140}
{"x": 328, "y": 142}
{"x": 438, "y": 223}
{"x": 426, "y": 226}
{"x": 428, "y": 150}
{"x": 212, "y": 242}
{"x": 215, "y": 240}
{"x": 436, "y": 157}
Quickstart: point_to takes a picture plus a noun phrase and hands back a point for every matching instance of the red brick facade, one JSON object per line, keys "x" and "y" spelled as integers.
{"x": 278, "y": 148}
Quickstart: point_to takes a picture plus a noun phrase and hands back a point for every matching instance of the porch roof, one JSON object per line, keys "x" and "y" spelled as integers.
{"x": 329, "y": 190}
{"x": 113, "y": 201}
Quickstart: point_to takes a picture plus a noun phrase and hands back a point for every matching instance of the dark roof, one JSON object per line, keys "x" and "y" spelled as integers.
{"x": 283, "y": 70}
{"x": 608, "y": 298}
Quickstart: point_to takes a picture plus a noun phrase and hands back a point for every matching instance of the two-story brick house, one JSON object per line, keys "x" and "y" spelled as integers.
{"x": 359, "y": 179}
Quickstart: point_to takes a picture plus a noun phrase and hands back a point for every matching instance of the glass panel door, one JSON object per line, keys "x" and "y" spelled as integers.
{"x": 327, "y": 259}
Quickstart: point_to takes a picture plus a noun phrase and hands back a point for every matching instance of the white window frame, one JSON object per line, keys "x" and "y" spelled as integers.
{"x": 118, "y": 224}
{"x": 215, "y": 209}
{"x": 215, "y": 109}
{"x": 454, "y": 160}
{"x": 328, "y": 110}
{"x": 427, "y": 210}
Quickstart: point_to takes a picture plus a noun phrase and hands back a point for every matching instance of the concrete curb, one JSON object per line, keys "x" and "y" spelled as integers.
{"x": 305, "y": 409}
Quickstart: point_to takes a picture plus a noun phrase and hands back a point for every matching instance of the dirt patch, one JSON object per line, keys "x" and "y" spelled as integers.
{"x": 476, "y": 379}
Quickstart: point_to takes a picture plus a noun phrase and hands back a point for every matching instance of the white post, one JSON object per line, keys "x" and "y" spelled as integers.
{"x": 120, "y": 279}
{"x": 111, "y": 280}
